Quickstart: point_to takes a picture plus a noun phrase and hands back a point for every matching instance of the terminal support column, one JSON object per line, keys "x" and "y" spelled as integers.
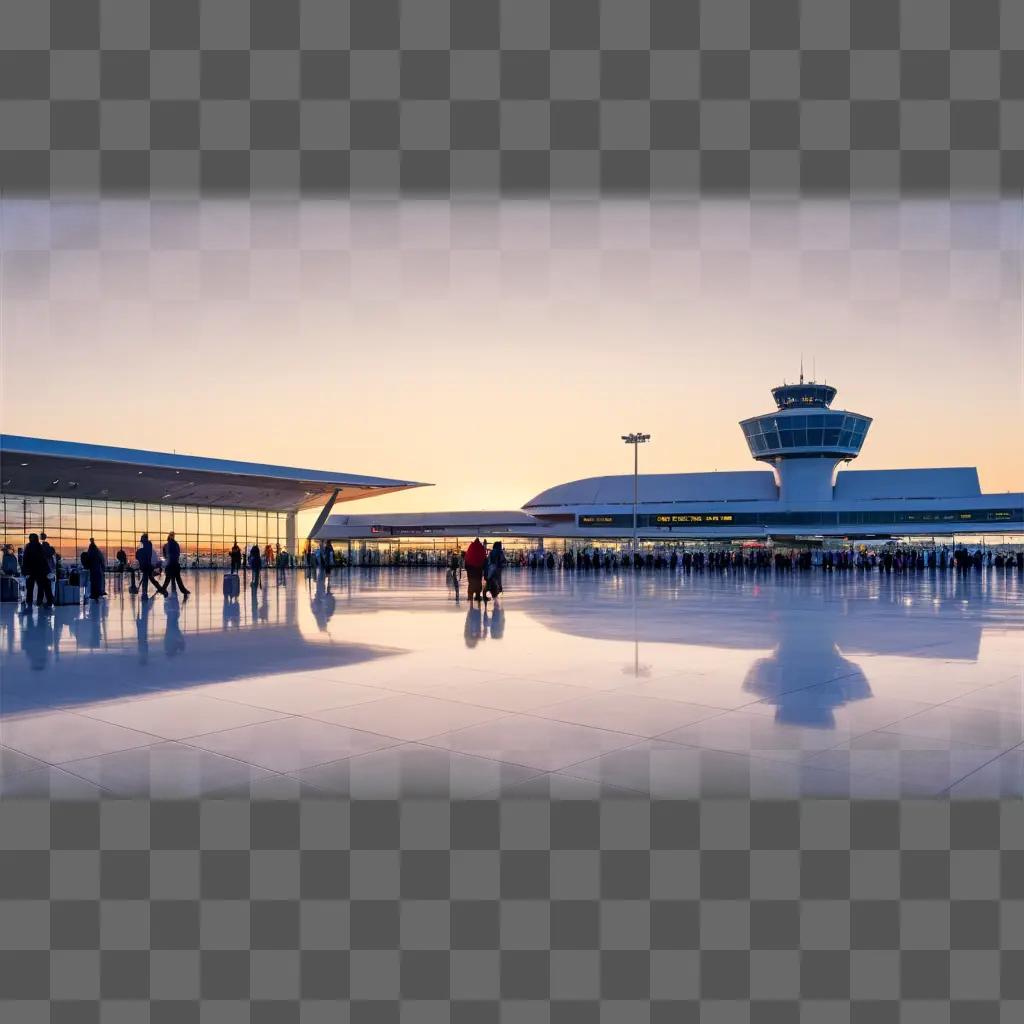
{"x": 324, "y": 513}
{"x": 289, "y": 535}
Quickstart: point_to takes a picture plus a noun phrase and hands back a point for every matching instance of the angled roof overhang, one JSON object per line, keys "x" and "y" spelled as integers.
{"x": 38, "y": 466}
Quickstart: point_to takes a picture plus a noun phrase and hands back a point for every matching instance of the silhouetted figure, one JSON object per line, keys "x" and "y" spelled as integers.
{"x": 36, "y": 568}
{"x": 236, "y": 558}
{"x": 96, "y": 564}
{"x": 9, "y": 565}
{"x": 255, "y": 564}
{"x": 172, "y": 566}
{"x": 495, "y": 564}
{"x": 144, "y": 554}
{"x": 475, "y": 560}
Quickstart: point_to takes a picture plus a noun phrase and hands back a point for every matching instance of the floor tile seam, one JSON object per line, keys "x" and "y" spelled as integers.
{"x": 484, "y": 757}
{"x": 148, "y": 746}
{"x": 948, "y": 739}
{"x": 434, "y": 735}
{"x": 974, "y": 771}
{"x": 392, "y": 691}
{"x": 291, "y": 714}
{"x": 279, "y": 715}
{"x": 154, "y": 740}
{"x": 319, "y": 764}
{"x": 567, "y": 773}
{"x": 717, "y": 712}
{"x": 692, "y": 747}
{"x": 943, "y": 750}
{"x": 92, "y": 782}
{"x": 693, "y": 703}
{"x": 7, "y": 773}
{"x": 950, "y": 700}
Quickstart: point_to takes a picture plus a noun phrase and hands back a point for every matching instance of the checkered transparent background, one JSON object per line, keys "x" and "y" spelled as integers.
{"x": 492, "y": 97}
{"x": 514, "y": 910}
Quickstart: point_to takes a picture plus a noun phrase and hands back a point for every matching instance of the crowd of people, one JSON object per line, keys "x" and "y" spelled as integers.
{"x": 40, "y": 565}
{"x": 41, "y": 568}
{"x": 885, "y": 558}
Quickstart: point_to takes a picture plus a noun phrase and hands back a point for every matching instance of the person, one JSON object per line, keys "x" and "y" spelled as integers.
{"x": 268, "y": 555}
{"x": 255, "y": 563}
{"x": 147, "y": 570}
{"x": 9, "y": 565}
{"x": 328, "y": 560}
{"x": 96, "y": 564}
{"x": 475, "y": 559}
{"x": 236, "y": 558}
{"x": 122, "y": 560}
{"x": 172, "y": 566}
{"x": 495, "y": 563}
{"x": 37, "y": 572}
{"x": 49, "y": 554}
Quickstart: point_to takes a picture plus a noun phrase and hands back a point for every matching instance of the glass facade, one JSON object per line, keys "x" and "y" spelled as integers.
{"x": 205, "y": 534}
{"x": 833, "y": 431}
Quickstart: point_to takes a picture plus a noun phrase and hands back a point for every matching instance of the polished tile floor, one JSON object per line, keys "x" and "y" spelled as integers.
{"x": 382, "y": 685}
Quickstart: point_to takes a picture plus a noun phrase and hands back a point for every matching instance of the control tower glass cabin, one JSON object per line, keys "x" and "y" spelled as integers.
{"x": 804, "y": 440}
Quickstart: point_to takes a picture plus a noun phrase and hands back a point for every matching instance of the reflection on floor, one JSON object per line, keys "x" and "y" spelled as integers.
{"x": 381, "y": 685}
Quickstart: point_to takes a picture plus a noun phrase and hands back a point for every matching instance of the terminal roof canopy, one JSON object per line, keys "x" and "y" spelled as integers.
{"x": 742, "y": 485}
{"x": 37, "y": 466}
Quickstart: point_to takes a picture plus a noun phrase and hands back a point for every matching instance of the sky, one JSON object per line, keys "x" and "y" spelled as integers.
{"x": 496, "y": 349}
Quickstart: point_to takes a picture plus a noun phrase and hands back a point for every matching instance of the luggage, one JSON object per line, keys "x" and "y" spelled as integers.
{"x": 9, "y": 589}
{"x": 67, "y": 593}
{"x": 230, "y": 585}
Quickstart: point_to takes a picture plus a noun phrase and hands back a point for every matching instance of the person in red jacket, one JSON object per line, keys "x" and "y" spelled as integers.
{"x": 476, "y": 559}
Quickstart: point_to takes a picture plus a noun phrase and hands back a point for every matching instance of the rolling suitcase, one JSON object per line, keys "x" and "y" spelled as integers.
{"x": 230, "y": 585}
{"x": 67, "y": 593}
{"x": 9, "y": 589}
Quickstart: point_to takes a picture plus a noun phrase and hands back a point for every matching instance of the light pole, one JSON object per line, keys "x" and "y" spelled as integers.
{"x": 635, "y": 440}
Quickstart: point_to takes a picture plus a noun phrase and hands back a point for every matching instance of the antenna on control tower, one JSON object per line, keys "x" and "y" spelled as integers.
{"x": 801, "y": 367}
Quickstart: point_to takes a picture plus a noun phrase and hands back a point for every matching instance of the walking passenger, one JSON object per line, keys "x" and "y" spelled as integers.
{"x": 172, "y": 567}
{"x": 144, "y": 554}
{"x": 236, "y": 558}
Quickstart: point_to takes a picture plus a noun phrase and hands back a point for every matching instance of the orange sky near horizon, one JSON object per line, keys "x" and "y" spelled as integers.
{"x": 496, "y": 350}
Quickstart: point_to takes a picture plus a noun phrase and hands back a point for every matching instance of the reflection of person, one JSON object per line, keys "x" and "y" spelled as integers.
{"x": 37, "y": 640}
{"x": 497, "y": 623}
{"x": 174, "y": 640}
{"x": 92, "y": 634}
{"x": 473, "y": 630}
{"x": 232, "y": 614}
{"x": 322, "y": 605}
{"x": 142, "y": 630}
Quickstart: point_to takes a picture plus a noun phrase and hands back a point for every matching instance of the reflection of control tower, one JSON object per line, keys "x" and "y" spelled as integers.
{"x": 804, "y": 440}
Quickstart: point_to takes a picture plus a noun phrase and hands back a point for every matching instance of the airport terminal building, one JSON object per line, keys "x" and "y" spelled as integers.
{"x": 804, "y": 495}
{"x": 75, "y": 491}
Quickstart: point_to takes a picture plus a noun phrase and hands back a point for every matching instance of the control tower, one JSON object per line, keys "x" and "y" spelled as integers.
{"x": 805, "y": 439}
